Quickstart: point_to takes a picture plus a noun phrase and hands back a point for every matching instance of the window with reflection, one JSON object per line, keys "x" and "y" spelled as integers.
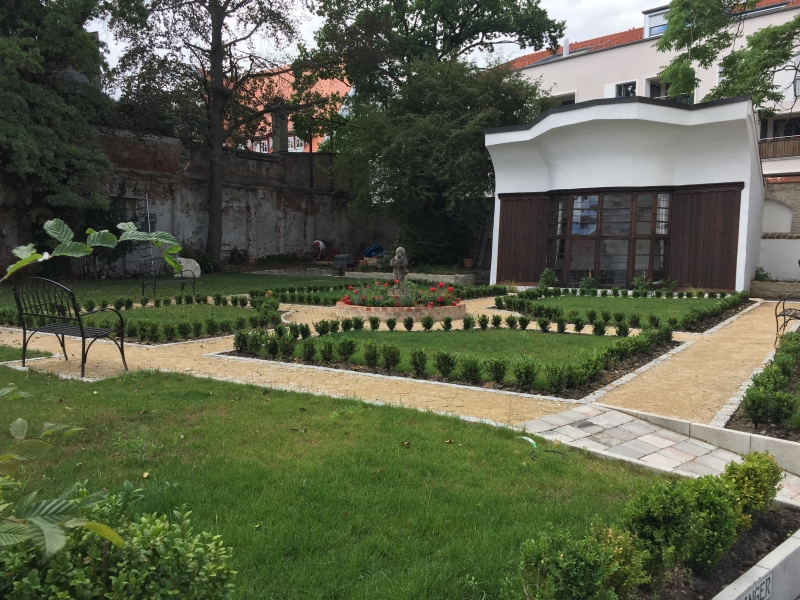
{"x": 612, "y": 237}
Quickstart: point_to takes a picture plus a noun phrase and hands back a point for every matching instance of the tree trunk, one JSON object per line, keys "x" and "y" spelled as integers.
{"x": 216, "y": 134}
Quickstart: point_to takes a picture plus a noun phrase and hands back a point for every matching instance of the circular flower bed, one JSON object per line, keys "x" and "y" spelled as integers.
{"x": 407, "y": 295}
{"x": 457, "y": 310}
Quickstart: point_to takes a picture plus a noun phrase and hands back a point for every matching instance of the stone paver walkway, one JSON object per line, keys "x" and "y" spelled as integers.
{"x": 615, "y": 434}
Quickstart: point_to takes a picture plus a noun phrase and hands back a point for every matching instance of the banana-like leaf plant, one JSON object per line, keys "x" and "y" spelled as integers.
{"x": 67, "y": 246}
{"x": 46, "y": 521}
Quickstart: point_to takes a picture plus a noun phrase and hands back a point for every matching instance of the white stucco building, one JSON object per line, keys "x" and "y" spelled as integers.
{"x": 626, "y": 64}
{"x": 619, "y": 187}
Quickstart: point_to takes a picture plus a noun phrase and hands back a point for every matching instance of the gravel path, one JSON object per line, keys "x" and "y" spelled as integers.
{"x": 693, "y": 384}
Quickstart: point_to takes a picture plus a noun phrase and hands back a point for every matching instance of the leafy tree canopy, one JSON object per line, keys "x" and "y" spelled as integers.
{"x": 422, "y": 156}
{"x": 50, "y": 99}
{"x": 702, "y": 31}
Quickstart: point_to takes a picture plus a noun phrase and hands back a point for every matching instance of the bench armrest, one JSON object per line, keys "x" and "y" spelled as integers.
{"x": 781, "y": 305}
{"x": 107, "y": 309}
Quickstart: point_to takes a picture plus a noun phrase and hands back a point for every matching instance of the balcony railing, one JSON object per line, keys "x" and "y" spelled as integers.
{"x": 779, "y": 147}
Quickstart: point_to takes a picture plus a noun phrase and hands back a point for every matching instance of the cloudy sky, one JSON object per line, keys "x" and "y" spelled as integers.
{"x": 585, "y": 19}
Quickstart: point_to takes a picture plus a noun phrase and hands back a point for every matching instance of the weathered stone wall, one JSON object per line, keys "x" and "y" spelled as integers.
{"x": 273, "y": 204}
{"x": 787, "y": 191}
{"x": 773, "y": 290}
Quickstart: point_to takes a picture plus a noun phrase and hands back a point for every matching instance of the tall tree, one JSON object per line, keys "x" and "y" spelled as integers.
{"x": 411, "y": 140}
{"x": 204, "y": 64}
{"x": 50, "y": 100}
{"x": 705, "y": 32}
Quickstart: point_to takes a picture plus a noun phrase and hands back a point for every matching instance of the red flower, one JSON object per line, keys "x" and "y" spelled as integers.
{"x": 450, "y": 289}
{"x": 386, "y": 284}
{"x": 363, "y": 298}
{"x": 441, "y": 284}
{"x": 349, "y": 287}
{"x": 397, "y": 281}
{"x": 433, "y": 289}
{"x": 430, "y": 305}
{"x": 454, "y": 302}
{"x": 397, "y": 303}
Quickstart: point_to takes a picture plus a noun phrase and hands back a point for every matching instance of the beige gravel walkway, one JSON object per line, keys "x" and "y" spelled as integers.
{"x": 696, "y": 383}
{"x": 693, "y": 384}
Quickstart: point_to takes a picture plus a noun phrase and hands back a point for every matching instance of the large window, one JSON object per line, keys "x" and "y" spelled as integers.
{"x": 626, "y": 90}
{"x": 611, "y": 237}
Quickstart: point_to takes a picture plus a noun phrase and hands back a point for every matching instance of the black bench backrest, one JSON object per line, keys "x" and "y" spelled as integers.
{"x": 39, "y": 297}
{"x": 342, "y": 260}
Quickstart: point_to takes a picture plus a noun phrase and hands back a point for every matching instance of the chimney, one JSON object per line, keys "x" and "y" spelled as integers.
{"x": 565, "y": 47}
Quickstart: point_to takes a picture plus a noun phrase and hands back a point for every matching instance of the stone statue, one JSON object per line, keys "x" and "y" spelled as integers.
{"x": 400, "y": 265}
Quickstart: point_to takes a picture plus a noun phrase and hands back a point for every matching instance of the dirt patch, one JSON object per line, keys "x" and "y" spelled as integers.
{"x": 620, "y": 369}
{"x": 741, "y": 422}
{"x": 768, "y": 532}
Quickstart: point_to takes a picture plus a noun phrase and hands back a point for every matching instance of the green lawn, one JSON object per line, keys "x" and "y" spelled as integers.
{"x": 317, "y": 496}
{"x": 223, "y": 283}
{"x": 11, "y": 353}
{"x": 661, "y": 307}
{"x": 547, "y": 348}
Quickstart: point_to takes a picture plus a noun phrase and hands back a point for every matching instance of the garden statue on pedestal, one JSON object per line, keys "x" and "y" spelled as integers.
{"x": 400, "y": 265}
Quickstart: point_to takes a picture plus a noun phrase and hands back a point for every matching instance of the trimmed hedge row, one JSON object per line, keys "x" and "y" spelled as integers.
{"x": 687, "y": 524}
{"x": 550, "y": 292}
{"x": 692, "y": 320}
{"x": 771, "y": 399}
{"x": 465, "y": 368}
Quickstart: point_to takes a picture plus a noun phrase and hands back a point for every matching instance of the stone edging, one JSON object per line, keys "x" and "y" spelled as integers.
{"x": 776, "y": 576}
{"x": 597, "y": 394}
{"x": 787, "y": 454}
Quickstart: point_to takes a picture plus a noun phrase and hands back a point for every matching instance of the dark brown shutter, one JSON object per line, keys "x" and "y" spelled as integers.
{"x": 704, "y": 238}
{"x": 522, "y": 240}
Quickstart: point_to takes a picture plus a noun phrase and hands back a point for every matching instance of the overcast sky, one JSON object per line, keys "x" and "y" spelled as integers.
{"x": 585, "y": 19}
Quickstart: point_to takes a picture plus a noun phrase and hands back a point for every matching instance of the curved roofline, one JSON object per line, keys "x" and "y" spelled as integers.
{"x": 605, "y": 101}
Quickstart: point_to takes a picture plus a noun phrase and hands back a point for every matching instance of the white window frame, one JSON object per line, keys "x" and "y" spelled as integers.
{"x": 619, "y": 86}
{"x": 648, "y": 32}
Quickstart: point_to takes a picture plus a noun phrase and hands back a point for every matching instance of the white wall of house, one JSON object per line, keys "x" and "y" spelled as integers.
{"x": 595, "y": 75}
{"x": 779, "y": 258}
{"x": 634, "y": 144}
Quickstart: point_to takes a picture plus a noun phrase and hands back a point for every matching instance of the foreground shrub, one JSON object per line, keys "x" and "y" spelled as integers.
{"x": 326, "y": 349}
{"x": 308, "y": 349}
{"x": 544, "y": 324}
{"x": 391, "y": 323}
{"x": 444, "y": 362}
{"x": 322, "y": 327}
{"x": 497, "y": 320}
{"x": 159, "y": 559}
{"x": 599, "y": 328}
{"x": 169, "y": 332}
{"x": 358, "y": 323}
{"x": 622, "y": 329}
{"x": 689, "y": 523}
{"x": 427, "y": 322}
{"x": 346, "y": 348}
{"x": 468, "y": 322}
{"x": 374, "y": 323}
{"x": 419, "y": 362}
{"x": 447, "y": 323}
{"x": 605, "y": 564}
{"x": 578, "y": 324}
{"x": 483, "y": 322}
{"x": 347, "y": 324}
{"x": 408, "y": 323}
{"x": 371, "y": 354}
{"x": 755, "y": 482}
{"x": 524, "y": 322}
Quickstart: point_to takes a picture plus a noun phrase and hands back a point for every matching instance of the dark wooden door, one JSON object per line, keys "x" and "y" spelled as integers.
{"x": 522, "y": 239}
{"x": 704, "y": 237}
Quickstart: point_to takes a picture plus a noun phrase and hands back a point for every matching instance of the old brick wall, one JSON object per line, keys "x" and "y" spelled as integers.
{"x": 787, "y": 191}
{"x": 270, "y": 205}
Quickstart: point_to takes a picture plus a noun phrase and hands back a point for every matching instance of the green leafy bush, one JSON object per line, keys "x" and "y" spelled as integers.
{"x": 305, "y": 330}
{"x": 622, "y": 329}
{"x": 544, "y": 324}
{"x": 322, "y": 327}
{"x": 239, "y": 340}
{"x": 371, "y": 354}
{"x": 445, "y": 362}
{"x": 169, "y": 332}
{"x": 447, "y": 323}
{"x": 374, "y": 323}
{"x": 499, "y": 302}
{"x": 197, "y": 328}
{"x": 217, "y": 298}
{"x": 497, "y": 320}
{"x": 561, "y": 324}
{"x": 178, "y": 299}
{"x": 599, "y": 328}
{"x": 419, "y": 362}
{"x": 471, "y": 370}
{"x": 358, "y": 323}
{"x": 326, "y": 349}
{"x": 511, "y": 321}
{"x": 755, "y": 482}
{"x": 144, "y": 301}
{"x": 347, "y": 324}
{"x": 346, "y": 348}
{"x": 308, "y": 349}
{"x": 427, "y": 322}
{"x": 578, "y": 324}
{"x": 689, "y": 523}
{"x": 408, "y": 323}
{"x": 119, "y": 303}
{"x": 212, "y": 326}
{"x": 524, "y": 321}
{"x": 591, "y": 316}
{"x": 496, "y": 369}
{"x": 391, "y": 323}
{"x": 605, "y": 564}
{"x": 468, "y": 323}
{"x": 157, "y": 302}
{"x": 525, "y": 370}
{"x": 483, "y": 322}
{"x": 390, "y": 356}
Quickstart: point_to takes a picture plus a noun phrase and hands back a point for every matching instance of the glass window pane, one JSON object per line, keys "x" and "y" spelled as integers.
{"x": 644, "y": 214}
{"x": 642, "y": 261}
{"x": 581, "y": 260}
{"x": 659, "y": 259}
{"x": 555, "y": 256}
{"x": 662, "y": 214}
{"x": 584, "y": 215}
{"x": 613, "y": 262}
{"x": 617, "y": 214}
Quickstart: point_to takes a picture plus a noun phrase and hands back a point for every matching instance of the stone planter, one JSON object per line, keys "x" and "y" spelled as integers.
{"x": 773, "y": 290}
{"x": 459, "y": 311}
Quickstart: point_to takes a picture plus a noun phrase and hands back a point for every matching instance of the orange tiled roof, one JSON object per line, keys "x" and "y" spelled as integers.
{"x": 609, "y": 41}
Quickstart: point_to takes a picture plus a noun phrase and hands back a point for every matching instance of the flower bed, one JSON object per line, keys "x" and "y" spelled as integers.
{"x": 457, "y": 311}
{"x": 382, "y": 294}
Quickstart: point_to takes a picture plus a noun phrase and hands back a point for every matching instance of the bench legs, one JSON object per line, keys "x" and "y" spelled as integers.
{"x": 85, "y": 351}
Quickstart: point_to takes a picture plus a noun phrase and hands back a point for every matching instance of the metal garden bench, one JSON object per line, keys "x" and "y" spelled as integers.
{"x": 784, "y": 315}
{"x": 45, "y": 306}
{"x": 342, "y": 262}
{"x": 155, "y": 271}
